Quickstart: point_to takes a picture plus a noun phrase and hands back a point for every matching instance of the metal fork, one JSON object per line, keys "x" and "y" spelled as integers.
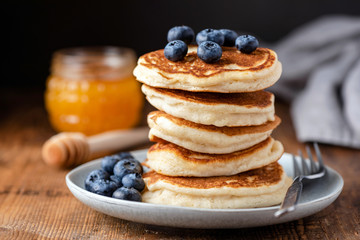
{"x": 314, "y": 172}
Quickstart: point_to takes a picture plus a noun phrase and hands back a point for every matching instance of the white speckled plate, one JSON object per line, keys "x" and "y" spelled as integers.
{"x": 314, "y": 199}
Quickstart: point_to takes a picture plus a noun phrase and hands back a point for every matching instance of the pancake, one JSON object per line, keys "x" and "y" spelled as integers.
{"x": 172, "y": 160}
{"x": 206, "y": 138}
{"x": 235, "y": 72}
{"x": 257, "y": 188}
{"x": 219, "y": 109}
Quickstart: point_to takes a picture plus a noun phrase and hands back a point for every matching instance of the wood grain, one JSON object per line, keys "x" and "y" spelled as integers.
{"x": 36, "y": 204}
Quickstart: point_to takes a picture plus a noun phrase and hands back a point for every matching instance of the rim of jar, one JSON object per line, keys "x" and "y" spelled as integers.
{"x": 93, "y": 63}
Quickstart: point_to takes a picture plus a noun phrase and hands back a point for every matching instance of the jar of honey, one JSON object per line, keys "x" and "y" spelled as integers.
{"x": 92, "y": 90}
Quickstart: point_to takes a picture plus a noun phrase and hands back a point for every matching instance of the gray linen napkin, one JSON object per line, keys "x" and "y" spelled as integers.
{"x": 321, "y": 78}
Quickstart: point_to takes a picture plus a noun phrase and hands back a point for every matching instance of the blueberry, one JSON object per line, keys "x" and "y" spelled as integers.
{"x": 103, "y": 187}
{"x": 124, "y": 155}
{"x": 116, "y": 180}
{"x": 246, "y": 43}
{"x": 210, "y": 35}
{"x": 127, "y": 166}
{"x": 108, "y": 163}
{"x": 95, "y": 175}
{"x": 125, "y": 193}
{"x": 175, "y": 50}
{"x": 229, "y": 37}
{"x": 183, "y": 33}
{"x": 133, "y": 180}
{"x": 128, "y": 156}
{"x": 209, "y": 52}
{"x": 137, "y": 163}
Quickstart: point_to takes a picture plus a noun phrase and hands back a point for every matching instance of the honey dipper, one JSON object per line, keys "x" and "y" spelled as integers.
{"x": 68, "y": 149}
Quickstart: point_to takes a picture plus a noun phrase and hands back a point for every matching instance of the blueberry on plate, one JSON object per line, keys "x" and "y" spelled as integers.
{"x": 175, "y": 50}
{"x": 123, "y": 155}
{"x": 130, "y": 157}
{"x": 133, "y": 180}
{"x": 210, "y": 34}
{"x": 138, "y": 165}
{"x": 125, "y": 193}
{"x": 183, "y": 33}
{"x": 209, "y": 52}
{"x": 246, "y": 43}
{"x": 229, "y": 37}
{"x": 116, "y": 180}
{"x": 127, "y": 166}
{"x": 103, "y": 187}
{"x": 95, "y": 175}
{"x": 108, "y": 163}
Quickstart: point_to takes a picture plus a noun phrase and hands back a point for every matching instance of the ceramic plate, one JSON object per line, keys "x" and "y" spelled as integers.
{"x": 314, "y": 198}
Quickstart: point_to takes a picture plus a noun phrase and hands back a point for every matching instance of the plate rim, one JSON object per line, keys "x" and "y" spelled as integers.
{"x": 114, "y": 201}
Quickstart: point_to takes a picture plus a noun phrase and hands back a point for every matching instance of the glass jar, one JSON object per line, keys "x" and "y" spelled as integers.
{"x": 92, "y": 90}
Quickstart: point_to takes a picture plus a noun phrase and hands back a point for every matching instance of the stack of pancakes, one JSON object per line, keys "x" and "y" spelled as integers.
{"x": 213, "y": 145}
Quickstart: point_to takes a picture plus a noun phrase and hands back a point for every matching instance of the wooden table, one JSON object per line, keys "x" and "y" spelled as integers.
{"x": 36, "y": 204}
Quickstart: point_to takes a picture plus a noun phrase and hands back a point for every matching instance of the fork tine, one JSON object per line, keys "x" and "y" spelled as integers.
{"x": 294, "y": 191}
{"x": 297, "y": 171}
{"x": 318, "y": 155}
{"x": 313, "y": 168}
{"x": 303, "y": 164}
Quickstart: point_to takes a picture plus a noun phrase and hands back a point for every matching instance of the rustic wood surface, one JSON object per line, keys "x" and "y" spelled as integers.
{"x": 36, "y": 204}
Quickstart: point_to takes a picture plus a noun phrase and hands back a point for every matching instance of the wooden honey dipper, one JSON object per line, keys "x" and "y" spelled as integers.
{"x": 68, "y": 149}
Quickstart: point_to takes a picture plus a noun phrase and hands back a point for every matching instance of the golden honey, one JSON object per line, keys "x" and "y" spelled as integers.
{"x": 92, "y": 90}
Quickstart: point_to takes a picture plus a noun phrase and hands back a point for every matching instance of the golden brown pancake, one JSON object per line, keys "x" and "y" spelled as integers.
{"x": 229, "y": 131}
{"x": 172, "y": 160}
{"x": 200, "y": 138}
{"x": 264, "y": 186}
{"x": 261, "y": 177}
{"x": 219, "y": 109}
{"x": 260, "y": 99}
{"x": 235, "y": 72}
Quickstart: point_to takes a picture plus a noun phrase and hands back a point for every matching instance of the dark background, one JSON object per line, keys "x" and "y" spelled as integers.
{"x": 35, "y": 29}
